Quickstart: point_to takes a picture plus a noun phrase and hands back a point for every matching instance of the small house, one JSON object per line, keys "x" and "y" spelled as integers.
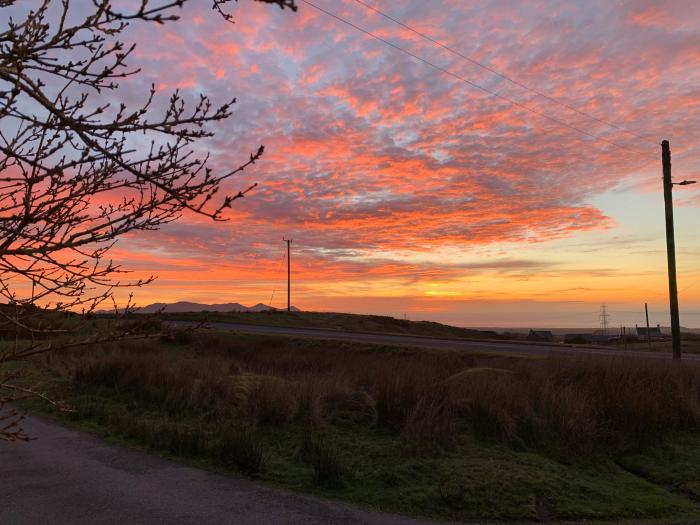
{"x": 653, "y": 333}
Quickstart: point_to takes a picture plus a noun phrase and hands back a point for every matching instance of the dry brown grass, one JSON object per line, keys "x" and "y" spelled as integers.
{"x": 586, "y": 405}
{"x": 582, "y": 405}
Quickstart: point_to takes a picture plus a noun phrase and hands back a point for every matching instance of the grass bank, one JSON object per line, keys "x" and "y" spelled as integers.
{"x": 340, "y": 321}
{"x": 437, "y": 433}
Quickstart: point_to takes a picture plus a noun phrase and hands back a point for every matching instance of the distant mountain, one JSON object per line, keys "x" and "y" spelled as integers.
{"x": 187, "y": 307}
{"x": 260, "y": 307}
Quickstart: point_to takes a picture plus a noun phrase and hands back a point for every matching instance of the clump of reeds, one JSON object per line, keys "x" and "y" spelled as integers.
{"x": 329, "y": 471}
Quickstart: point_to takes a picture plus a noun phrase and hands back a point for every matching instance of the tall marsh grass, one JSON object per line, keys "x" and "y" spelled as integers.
{"x": 582, "y": 405}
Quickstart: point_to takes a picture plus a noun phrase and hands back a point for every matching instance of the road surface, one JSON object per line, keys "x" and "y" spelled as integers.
{"x": 73, "y": 478}
{"x": 433, "y": 342}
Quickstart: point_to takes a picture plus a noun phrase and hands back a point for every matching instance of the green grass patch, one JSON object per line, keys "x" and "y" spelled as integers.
{"x": 674, "y": 465}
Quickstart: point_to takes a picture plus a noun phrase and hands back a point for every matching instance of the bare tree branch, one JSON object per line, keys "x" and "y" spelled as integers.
{"x": 74, "y": 176}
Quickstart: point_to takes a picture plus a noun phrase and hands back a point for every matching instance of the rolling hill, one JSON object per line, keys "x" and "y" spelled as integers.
{"x": 188, "y": 307}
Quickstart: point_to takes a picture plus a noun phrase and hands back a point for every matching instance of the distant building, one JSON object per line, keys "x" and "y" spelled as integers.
{"x": 541, "y": 336}
{"x": 653, "y": 332}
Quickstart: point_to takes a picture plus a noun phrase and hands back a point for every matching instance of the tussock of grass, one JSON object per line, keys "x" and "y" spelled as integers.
{"x": 323, "y": 457}
{"x": 239, "y": 447}
{"x": 328, "y": 471}
{"x": 350, "y": 408}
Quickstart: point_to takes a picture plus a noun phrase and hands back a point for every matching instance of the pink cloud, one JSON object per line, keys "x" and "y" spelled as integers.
{"x": 369, "y": 149}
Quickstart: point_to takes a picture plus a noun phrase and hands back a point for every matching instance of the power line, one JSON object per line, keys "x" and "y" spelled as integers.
{"x": 689, "y": 286}
{"x": 503, "y": 75}
{"x": 473, "y": 84}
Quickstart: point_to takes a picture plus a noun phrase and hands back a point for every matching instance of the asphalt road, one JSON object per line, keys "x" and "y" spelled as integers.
{"x": 431, "y": 342}
{"x": 73, "y": 478}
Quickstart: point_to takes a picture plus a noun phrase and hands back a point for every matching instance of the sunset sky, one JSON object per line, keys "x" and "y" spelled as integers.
{"x": 409, "y": 191}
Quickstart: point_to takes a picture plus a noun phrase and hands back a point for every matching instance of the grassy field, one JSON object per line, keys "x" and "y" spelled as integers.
{"x": 690, "y": 344}
{"x": 340, "y": 321}
{"x": 440, "y": 434}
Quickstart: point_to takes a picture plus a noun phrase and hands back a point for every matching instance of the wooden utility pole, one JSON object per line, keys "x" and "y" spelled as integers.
{"x": 289, "y": 274}
{"x": 671, "y": 250}
{"x": 646, "y": 311}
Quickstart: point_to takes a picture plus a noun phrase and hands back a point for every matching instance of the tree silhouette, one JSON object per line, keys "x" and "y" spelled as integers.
{"x": 78, "y": 171}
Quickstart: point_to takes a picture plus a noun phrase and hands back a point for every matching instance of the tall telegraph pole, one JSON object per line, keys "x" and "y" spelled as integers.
{"x": 289, "y": 274}
{"x": 671, "y": 250}
{"x": 646, "y": 311}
